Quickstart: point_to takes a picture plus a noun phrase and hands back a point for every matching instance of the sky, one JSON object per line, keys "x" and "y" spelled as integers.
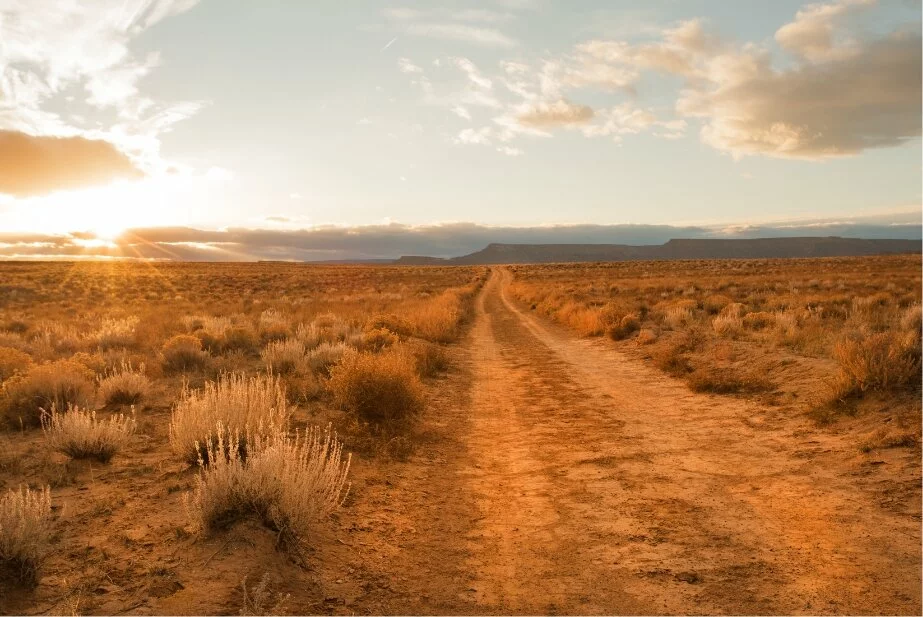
{"x": 235, "y": 129}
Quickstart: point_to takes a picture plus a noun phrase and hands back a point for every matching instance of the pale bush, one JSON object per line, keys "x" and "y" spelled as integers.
{"x": 183, "y": 353}
{"x": 311, "y": 335}
{"x": 285, "y": 356}
{"x": 262, "y": 600}
{"x": 60, "y": 383}
{"x": 25, "y": 527}
{"x": 378, "y": 339}
{"x": 379, "y": 388}
{"x": 59, "y": 337}
{"x": 79, "y": 434}
{"x": 247, "y": 405}
{"x": 677, "y": 316}
{"x": 115, "y": 332}
{"x": 289, "y": 483}
{"x": 211, "y": 325}
{"x": 734, "y": 309}
{"x": 124, "y": 385}
{"x": 273, "y": 325}
{"x": 325, "y": 355}
{"x": 758, "y": 320}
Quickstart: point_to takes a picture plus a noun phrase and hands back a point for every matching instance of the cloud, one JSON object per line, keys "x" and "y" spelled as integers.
{"x": 842, "y": 106}
{"x": 57, "y": 58}
{"x": 557, "y": 113}
{"x": 406, "y": 66}
{"x": 393, "y": 240}
{"x": 34, "y": 165}
{"x": 812, "y": 35}
{"x": 484, "y": 37}
{"x": 471, "y": 137}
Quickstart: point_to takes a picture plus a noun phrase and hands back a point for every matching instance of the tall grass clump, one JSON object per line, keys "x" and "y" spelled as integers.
{"x": 80, "y": 434}
{"x": 25, "y": 527}
{"x": 273, "y": 325}
{"x": 116, "y": 332}
{"x": 251, "y": 406}
{"x": 325, "y": 355}
{"x": 124, "y": 385}
{"x": 288, "y": 483}
{"x": 382, "y": 389}
{"x": 877, "y": 362}
{"x": 60, "y": 383}
{"x": 285, "y": 356}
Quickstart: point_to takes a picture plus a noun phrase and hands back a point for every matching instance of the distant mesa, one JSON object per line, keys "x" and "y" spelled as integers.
{"x": 757, "y": 248}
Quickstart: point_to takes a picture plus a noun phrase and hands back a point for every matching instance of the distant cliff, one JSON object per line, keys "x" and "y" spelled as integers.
{"x": 674, "y": 249}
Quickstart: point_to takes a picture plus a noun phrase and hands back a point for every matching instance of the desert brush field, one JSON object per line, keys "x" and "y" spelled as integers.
{"x": 715, "y": 436}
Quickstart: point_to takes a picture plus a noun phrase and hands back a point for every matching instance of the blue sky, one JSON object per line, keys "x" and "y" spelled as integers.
{"x": 524, "y": 113}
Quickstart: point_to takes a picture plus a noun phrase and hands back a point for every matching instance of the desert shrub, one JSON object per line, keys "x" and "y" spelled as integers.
{"x": 79, "y": 434}
{"x": 273, "y": 325}
{"x": 289, "y": 483}
{"x": 60, "y": 383}
{"x": 392, "y": 323}
{"x": 646, "y": 337}
{"x": 16, "y": 326}
{"x": 284, "y": 356}
{"x": 325, "y": 355}
{"x": 238, "y": 338}
{"x": 380, "y": 388}
{"x": 429, "y": 358}
{"x": 378, "y": 339}
{"x": 254, "y": 406}
{"x": 727, "y": 324}
{"x": 93, "y": 361}
{"x": 25, "y": 528}
{"x": 715, "y": 303}
{"x": 727, "y": 380}
{"x": 734, "y": 309}
{"x": 882, "y": 362}
{"x": 438, "y": 318}
{"x": 13, "y": 361}
{"x": 758, "y": 320}
{"x": 628, "y": 325}
{"x": 261, "y": 599}
{"x": 115, "y": 332}
{"x": 183, "y": 352}
{"x": 60, "y": 337}
{"x": 124, "y": 385}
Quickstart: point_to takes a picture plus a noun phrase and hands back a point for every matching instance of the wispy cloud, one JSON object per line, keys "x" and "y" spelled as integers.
{"x": 453, "y": 25}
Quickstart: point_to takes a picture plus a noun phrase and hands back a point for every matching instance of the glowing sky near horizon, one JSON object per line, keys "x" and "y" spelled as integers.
{"x": 286, "y": 115}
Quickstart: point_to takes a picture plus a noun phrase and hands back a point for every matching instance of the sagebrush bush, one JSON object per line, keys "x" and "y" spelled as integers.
{"x": 80, "y": 434}
{"x": 677, "y": 317}
{"x": 124, "y": 385}
{"x": 912, "y": 318}
{"x": 289, "y": 483}
{"x": 646, "y": 336}
{"x": 325, "y": 355}
{"x": 429, "y": 358}
{"x": 284, "y": 356}
{"x": 253, "y": 406}
{"x": 727, "y": 324}
{"x": 25, "y": 528}
{"x": 882, "y": 362}
{"x": 380, "y": 388}
{"x": 726, "y": 380}
{"x": 183, "y": 352}
{"x": 392, "y": 323}
{"x": 627, "y": 325}
{"x": 378, "y": 339}
{"x": 13, "y": 361}
{"x": 60, "y": 383}
{"x": 758, "y": 320}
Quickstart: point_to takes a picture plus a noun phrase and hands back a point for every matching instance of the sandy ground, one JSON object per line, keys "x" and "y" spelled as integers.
{"x": 551, "y": 475}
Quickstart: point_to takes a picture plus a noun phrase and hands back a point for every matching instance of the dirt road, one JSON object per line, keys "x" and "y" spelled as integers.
{"x": 579, "y": 481}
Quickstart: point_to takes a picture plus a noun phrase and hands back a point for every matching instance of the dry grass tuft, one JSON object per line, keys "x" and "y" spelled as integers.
{"x": 262, "y": 600}
{"x": 59, "y": 384}
{"x": 325, "y": 355}
{"x": 879, "y": 362}
{"x": 380, "y": 388}
{"x": 253, "y": 406}
{"x": 114, "y": 332}
{"x": 378, "y": 339}
{"x": 273, "y": 325}
{"x": 25, "y": 527}
{"x": 286, "y": 356}
{"x": 124, "y": 385}
{"x": 79, "y": 434}
{"x": 183, "y": 353}
{"x": 646, "y": 336}
{"x": 289, "y": 483}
